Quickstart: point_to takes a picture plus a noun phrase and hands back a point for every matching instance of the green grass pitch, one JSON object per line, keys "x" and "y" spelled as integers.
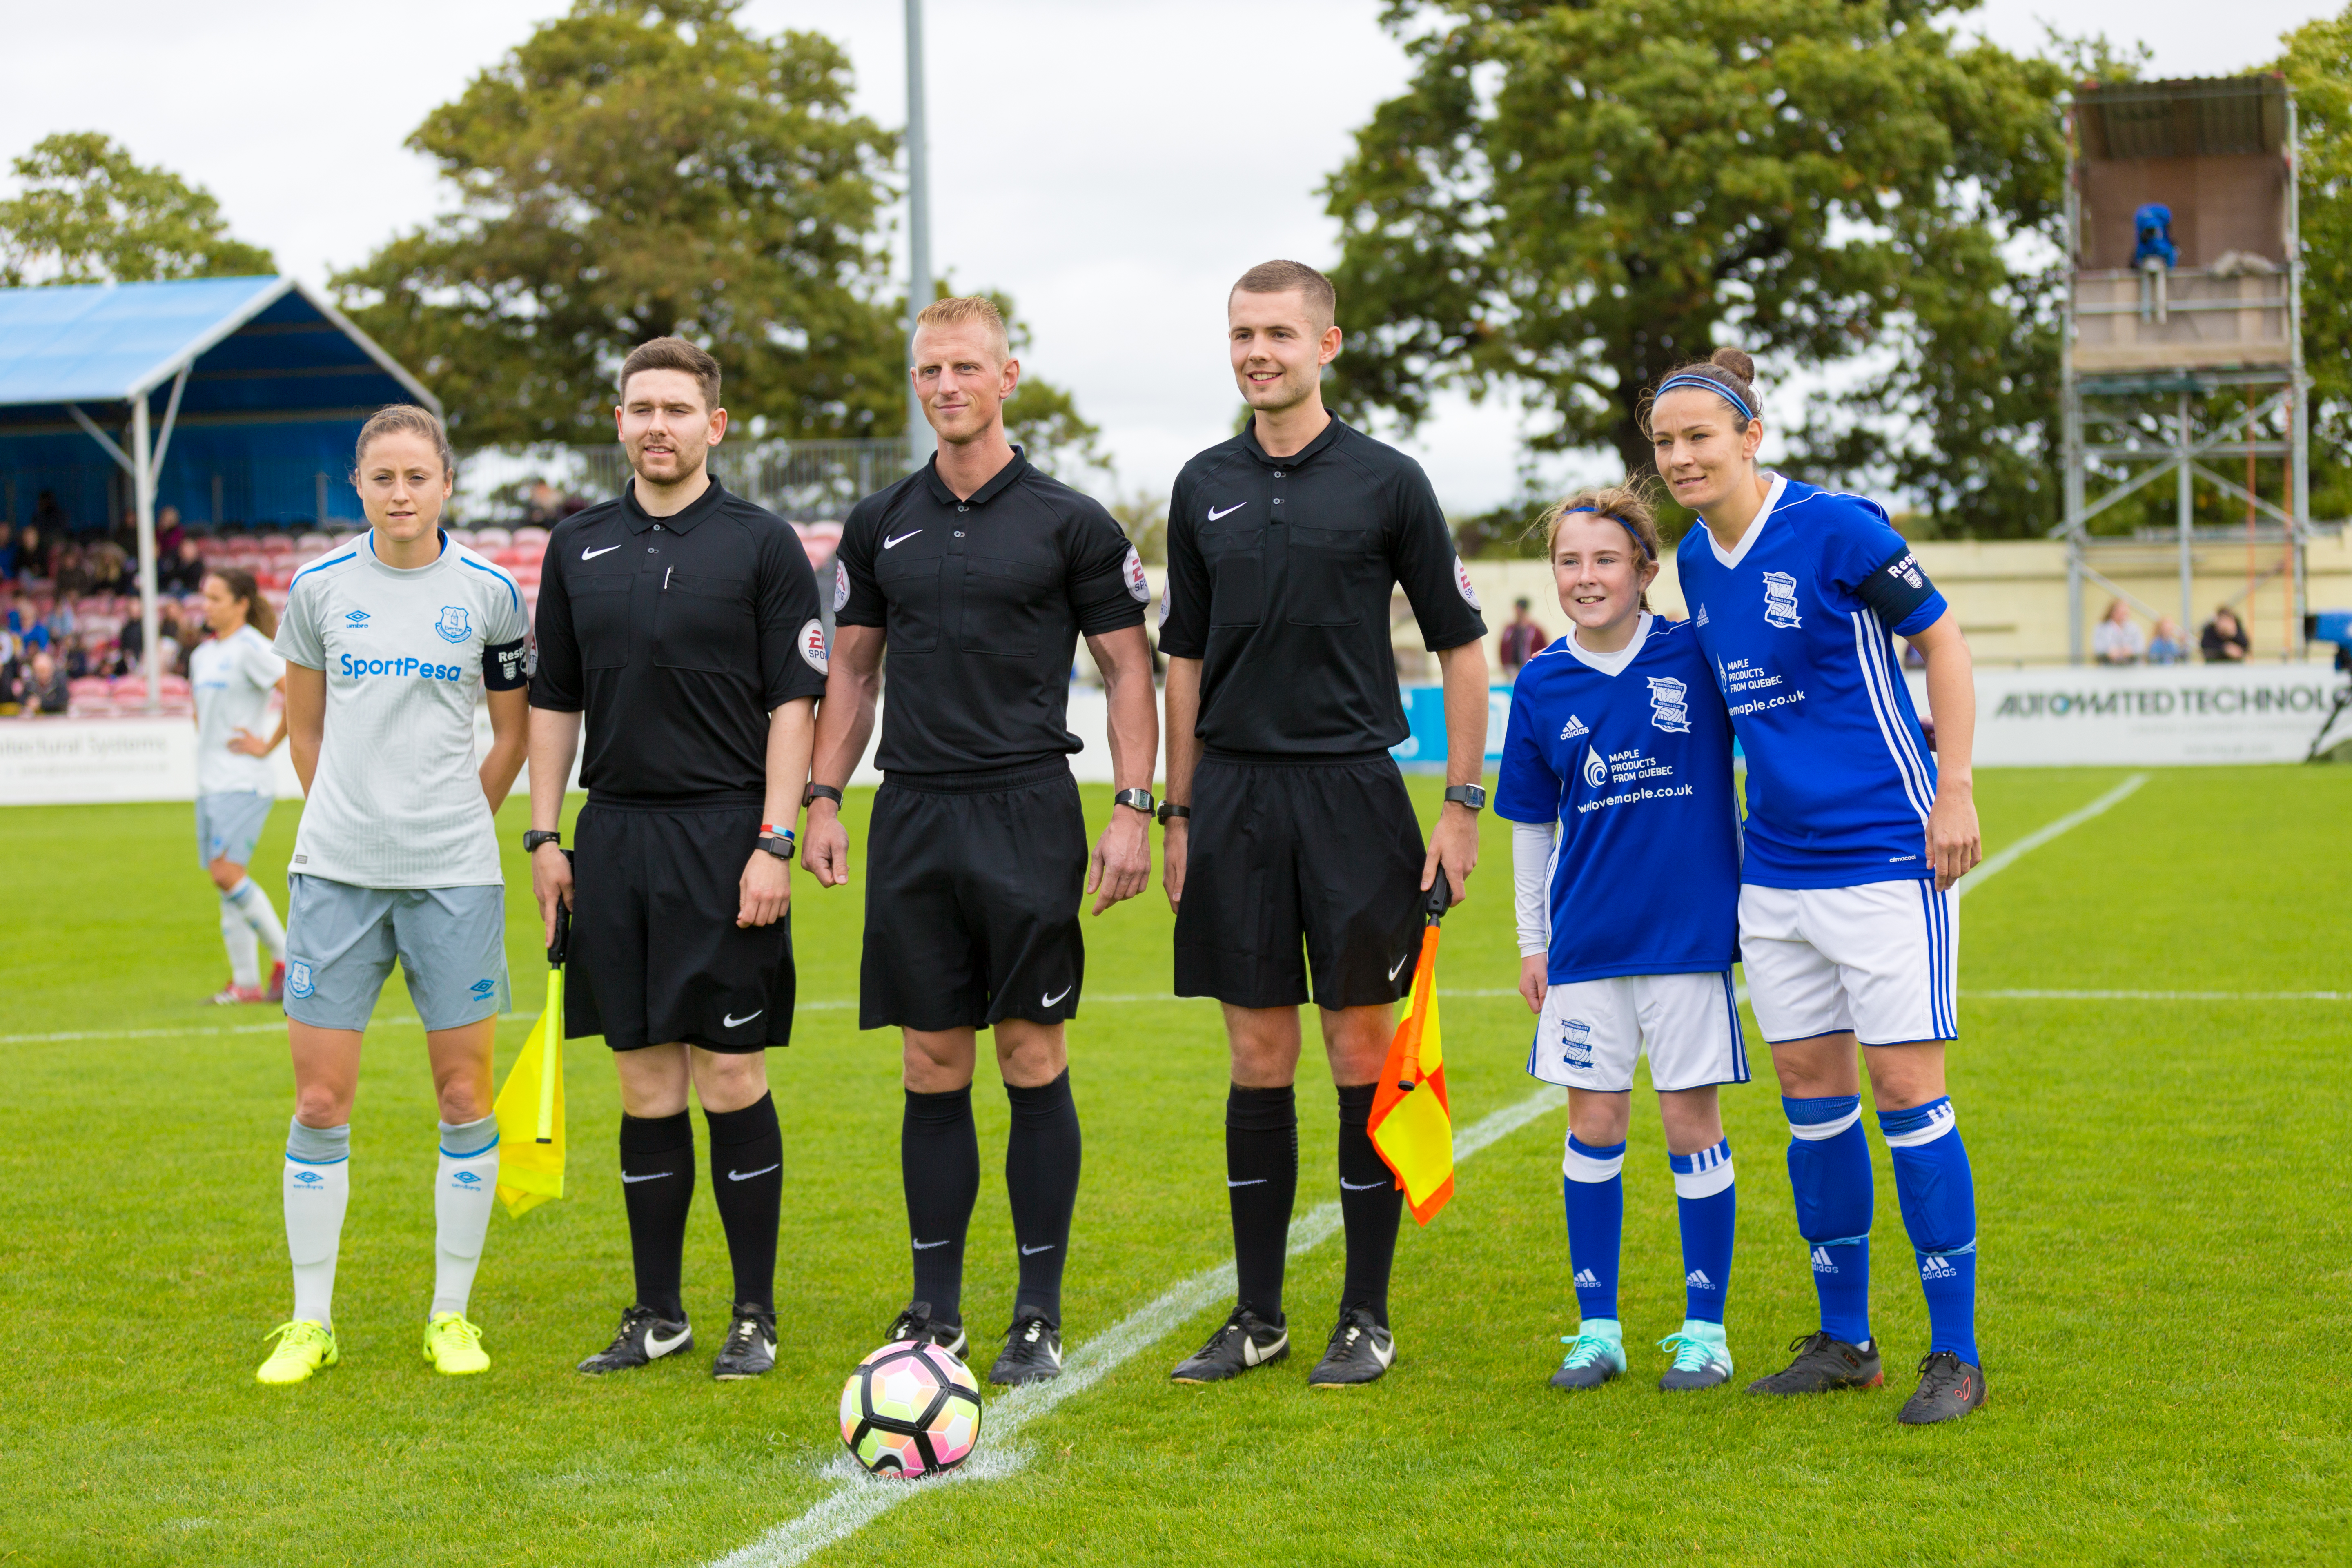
{"x": 2162, "y": 1184}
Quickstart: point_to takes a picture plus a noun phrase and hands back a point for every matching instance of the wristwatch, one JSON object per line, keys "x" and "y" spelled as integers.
{"x": 817, "y": 792}
{"x": 1141, "y": 799}
{"x": 1170, "y": 810}
{"x": 780, "y": 845}
{"x": 1472, "y": 796}
{"x": 536, "y": 837}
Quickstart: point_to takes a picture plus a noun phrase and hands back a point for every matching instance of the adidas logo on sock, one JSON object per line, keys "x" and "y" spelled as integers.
{"x": 1823, "y": 1263}
{"x": 1586, "y": 1280}
{"x": 1934, "y": 1266}
{"x": 1573, "y": 728}
{"x": 1697, "y": 1281}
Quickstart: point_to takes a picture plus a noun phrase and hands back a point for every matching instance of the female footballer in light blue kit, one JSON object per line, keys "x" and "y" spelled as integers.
{"x": 1859, "y": 821}
{"x": 1616, "y": 773}
{"x": 387, "y": 643}
{"x": 233, "y": 674}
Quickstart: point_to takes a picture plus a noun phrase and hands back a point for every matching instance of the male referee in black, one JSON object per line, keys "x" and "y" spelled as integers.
{"x": 683, "y": 622}
{"x": 977, "y": 575}
{"x": 1287, "y": 820}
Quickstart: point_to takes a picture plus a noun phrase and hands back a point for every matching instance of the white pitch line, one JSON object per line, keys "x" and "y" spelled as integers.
{"x": 854, "y": 1504}
{"x": 2163, "y": 995}
{"x": 1993, "y": 866}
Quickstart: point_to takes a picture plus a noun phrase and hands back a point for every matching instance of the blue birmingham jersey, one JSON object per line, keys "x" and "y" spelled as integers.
{"x": 1799, "y": 622}
{"x": 1631, "y": 753}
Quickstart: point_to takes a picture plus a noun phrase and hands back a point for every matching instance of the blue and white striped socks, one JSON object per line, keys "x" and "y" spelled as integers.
{"x": 1938, "y": 1195}
{"x": 1707, "y": 1204}
{"x": 1828, "y": 1170}
{"x": 1593, "y": 1185}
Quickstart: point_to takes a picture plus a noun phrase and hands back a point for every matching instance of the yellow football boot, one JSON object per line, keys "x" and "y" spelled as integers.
{"x": 303, "y": 1347}
{"x": 454, "y": 1346}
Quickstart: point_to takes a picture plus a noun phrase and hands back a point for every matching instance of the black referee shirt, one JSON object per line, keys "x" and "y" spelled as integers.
{"x": 981, "y": 602}
{"x": 1278, "y": 578}
{"x": 678, "y": 637}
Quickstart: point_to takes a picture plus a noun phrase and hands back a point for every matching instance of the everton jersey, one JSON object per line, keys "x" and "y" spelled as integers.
{"x": 1630, "y": 753}
{"x": 1799, "y": 624}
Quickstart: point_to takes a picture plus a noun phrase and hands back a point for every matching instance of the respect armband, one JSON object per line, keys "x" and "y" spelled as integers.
{"x": 1896, "y": 589}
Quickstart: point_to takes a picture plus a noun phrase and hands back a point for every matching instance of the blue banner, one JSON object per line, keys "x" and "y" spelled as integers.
{"x": 1424, "y": 750}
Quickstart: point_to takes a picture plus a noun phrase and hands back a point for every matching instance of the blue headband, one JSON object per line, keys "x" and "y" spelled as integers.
{"x": 1711, "y": 384}
{"x": 1640, "y": 543}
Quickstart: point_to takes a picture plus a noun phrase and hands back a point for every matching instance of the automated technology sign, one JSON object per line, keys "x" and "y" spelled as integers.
{"x": 2149, "y": 714}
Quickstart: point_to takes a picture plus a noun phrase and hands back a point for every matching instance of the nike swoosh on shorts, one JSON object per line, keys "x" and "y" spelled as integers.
{"x": 734, "y": 1023}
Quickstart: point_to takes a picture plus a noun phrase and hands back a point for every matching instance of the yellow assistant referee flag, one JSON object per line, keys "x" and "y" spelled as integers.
{"x": 1412, "y": 1124}
{"x": 530, "y": 1109}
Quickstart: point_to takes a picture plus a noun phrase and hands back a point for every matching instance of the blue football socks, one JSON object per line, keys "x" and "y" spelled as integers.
{"x": 1592, "y": 1184}
{"x": 1939, "y": 1196}
{"x": 1707, "y": 1204}
{"x": 1829, "y": 1169}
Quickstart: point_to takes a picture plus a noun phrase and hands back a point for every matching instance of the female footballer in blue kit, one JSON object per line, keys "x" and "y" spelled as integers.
{"x": 1859, "y": 821}
{"x": 1616, "y": 773}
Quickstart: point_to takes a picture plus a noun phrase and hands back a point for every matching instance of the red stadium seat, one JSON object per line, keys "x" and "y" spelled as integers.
{"x": 490, "y": 539}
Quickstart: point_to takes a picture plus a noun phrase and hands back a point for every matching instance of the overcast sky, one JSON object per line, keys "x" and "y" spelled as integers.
{"x": 1111, "y": 164}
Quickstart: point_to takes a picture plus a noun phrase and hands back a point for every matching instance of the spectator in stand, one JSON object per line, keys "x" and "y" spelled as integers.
{"x": 43, "y": 687}
{"x": 33, "y": 551}
{"x": 1522, "y": 640}
{"x": 2118, "y": 640}
{"x": 107, "y": 569}
{"x": 168, "y": 534}
{"x": 182, "y": 572}
{"x": 49, "y": 517}
{"x": 544, "y": 506}
{"x": 2166, "y": 645}
{"x": 2223, "y": 640}
{"x": 73, "y": 579}
{"x": 7, "y": 551}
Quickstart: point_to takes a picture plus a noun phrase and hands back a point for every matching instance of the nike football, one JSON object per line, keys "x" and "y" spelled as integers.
{"x": 911, "y": 1409}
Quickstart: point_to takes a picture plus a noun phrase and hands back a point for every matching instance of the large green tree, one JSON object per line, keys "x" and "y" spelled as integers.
{"x": 1568, "y": 200}
{"x": 89, "y": 212}
{"x": 634, "y": 170}
{"x": 2318, "y": 65}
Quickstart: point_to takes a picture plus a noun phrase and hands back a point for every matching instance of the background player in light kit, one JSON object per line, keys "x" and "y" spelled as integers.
{"x": 1616, "y": 773}
{"x": 1287, "y": 823}
{"x": 394, "y": 636}
{"x": 1857, "y": 828}
{"x": 233, "y": 673}
{"x": 681, "y": 624}
{"x": 979, "y": 574}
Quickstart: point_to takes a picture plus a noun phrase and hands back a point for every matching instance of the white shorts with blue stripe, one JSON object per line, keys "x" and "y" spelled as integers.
{"x": 1881, "y": 960}
{"x": 1593, "y": 1031}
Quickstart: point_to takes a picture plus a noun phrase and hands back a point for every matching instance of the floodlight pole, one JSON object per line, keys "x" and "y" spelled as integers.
{"x": 143, "y": 490}
{"x": 920, "y": 442}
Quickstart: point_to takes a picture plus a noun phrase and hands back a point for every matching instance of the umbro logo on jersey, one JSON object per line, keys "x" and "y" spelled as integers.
{"x": 309, "y": 1178}
{"x": 483, "y": 987}
{"x": 1573, "y": 728}
{"x": 591, "y": 554}
{"x": 466, "y": 1179}
{"x": 356, "y": 618}
{"x": 1938, "y": 1268}
{"x": 894, "y": 543}
{"x": 1214, "y": 513}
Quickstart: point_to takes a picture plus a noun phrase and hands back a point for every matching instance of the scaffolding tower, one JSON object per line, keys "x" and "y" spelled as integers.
{"x": 2182, "y": 344}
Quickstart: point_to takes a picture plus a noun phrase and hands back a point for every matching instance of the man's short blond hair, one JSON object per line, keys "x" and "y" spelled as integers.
{"x": 965, "y": 310}
{"x": 1313, "y": 288}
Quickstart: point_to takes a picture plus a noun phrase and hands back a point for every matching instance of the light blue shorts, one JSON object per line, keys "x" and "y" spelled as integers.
{"x": 340, "y": 942}
{"x": 228, "y": 826}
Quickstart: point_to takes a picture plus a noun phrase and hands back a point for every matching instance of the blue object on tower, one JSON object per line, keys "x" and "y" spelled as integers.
{"x": 2153, "y": 224}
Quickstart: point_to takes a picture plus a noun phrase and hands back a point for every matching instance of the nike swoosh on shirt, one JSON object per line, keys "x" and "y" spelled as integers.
{"x": 1214, "y": 513}
{"x": 734, "y": 1023}
{"x": 893, "y": 543}
{"x": 747, "y": 1175}
{"x": 1034, "y": 1251}
{"x": 1397, "y": 966}
{"x": 1057, "y": 995}
{"x": 655, "y": 1176}
{"x": 1347, "y": 1185}
{"x": 591, "y": 554}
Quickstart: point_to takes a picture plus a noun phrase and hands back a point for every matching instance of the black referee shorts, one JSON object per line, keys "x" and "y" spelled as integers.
{"x": 972, "y": 883}
{"x": 656, "y": 954}
{"x": 1285, "y": 851}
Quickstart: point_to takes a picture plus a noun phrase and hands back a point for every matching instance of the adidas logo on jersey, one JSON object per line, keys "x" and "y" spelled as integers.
{"x": 1934, "y": 1267}
{"x": 1697, "y": 1281}
{"x": 1586, "y": 1280}
{"x": 1823, "y": 1263}
{"x": 1573, "y": 728}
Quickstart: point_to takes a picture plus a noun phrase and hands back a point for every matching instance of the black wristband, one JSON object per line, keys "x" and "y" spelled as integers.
{"x": 817, "y": 792}
{"x": 536, "y": 837}
{"x": 1169, "y": 811}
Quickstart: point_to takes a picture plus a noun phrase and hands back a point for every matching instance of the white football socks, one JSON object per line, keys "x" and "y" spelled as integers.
{"x": 462, "y": 1190}
{"x": 253, "y": 905}
{"x": 318, "y": 1190}
{"x": 244, "y": 949}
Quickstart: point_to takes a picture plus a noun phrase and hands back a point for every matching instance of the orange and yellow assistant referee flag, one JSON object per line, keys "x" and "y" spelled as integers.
{"x": 1412, "y": 1124}
{"x": 529, "y": 1108}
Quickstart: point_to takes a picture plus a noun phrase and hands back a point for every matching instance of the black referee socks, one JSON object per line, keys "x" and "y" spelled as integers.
{"x": 747, "y": 1174}
{"x": 657, "y": 1187}
{"x": 1040, "y": 1175}
{"x": 1369, "y": 1206}
{"x": 938, "y": 1159}
{"x": 1261, "y": 1182}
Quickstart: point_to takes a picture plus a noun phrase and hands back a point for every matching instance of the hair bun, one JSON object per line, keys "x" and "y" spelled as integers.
{"x": 1736, "y": 361}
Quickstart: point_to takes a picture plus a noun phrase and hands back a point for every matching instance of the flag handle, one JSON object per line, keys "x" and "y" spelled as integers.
{"x": 1433, "y": 905}
{"x": 550, "y": 1028}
